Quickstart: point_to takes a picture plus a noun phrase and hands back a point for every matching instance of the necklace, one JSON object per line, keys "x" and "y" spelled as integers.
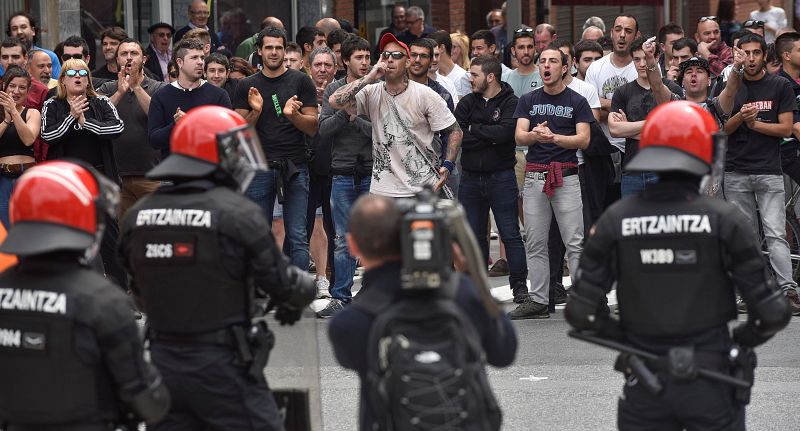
{"x": 405, "y": 86}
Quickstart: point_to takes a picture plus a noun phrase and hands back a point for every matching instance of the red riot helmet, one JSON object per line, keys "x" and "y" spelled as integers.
{"x": 211, "y": 138}
{"x": 677, "y": 136}
{"x": 59, "y": 206}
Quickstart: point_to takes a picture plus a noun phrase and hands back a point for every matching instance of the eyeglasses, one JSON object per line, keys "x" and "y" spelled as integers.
{"x": 420, "y": 55}
{"x": 81, "y": 72}
{"x": 751, "y": 23}
{"x": 200, "y": 13}
{"x": 397, "y": 55}
{"x": 167, "y": 35}
{"x": 707, "y": 18}
{"x": 66, "y": 57}
{"x": 523, "y": 30}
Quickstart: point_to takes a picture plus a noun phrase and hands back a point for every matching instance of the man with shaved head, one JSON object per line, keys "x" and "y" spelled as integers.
{"x": 328, "y": 25}
{"x": 248, "y": 46}
{"x": 592, "y": 33}
{"x": 199, "y": 15}
{"x": 40, "y": 66}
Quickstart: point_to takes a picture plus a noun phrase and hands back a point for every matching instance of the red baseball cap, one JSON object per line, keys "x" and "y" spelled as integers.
{"x": 388, "y": 38}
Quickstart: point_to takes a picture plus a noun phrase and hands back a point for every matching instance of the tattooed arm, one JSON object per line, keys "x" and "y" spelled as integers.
{"x": 455, "y": 134}
{"x": 345, "y": 96}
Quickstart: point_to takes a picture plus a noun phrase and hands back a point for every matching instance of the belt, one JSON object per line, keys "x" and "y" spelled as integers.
{"x": 72, "y": 427}
{"x": 221, "y": 337}
{"x": 541, "y": 176}
{"x": 15, "y": 168}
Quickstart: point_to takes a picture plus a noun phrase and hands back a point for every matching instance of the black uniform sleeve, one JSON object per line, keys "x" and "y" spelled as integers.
{"x": 768, "y": 309}
{"x": 263, "y": 260}
{"x": 498, "y": 337}
{"x": 138, "y": 383}
{"x": 586, "y": 308}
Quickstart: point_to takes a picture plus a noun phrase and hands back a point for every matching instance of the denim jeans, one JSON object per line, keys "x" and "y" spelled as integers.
{"x": 480, "y": 192}
{"x": 634, "y": 183}
{"x": 538, "y": 210}
{"x": 6, "y": 186}
{"x": 344, "y": 192}
{"x": 262, "y": 191}
{"x": 766, "y": 191}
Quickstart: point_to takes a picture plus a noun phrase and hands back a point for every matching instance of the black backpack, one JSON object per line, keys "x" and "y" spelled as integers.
{"x": 426, "y": 366}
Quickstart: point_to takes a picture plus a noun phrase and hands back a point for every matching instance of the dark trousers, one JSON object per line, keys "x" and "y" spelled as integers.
{"x": 209, "y": 392}
{"x": 108, "y": 253}
{"x": 696, "y": 405}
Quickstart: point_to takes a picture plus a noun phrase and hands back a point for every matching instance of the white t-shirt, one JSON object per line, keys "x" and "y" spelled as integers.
{"x": 460, "y": 79}
{"x": 588, "y": 92}
{"x": 448, "y": 85}
{"x": 399, "y": 168}
{"x": 774, "y": 17}
{"x": 605, "y": 77}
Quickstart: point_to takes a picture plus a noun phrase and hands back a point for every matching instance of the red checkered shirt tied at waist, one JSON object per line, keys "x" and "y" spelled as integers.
{"x": 554, "y": 177}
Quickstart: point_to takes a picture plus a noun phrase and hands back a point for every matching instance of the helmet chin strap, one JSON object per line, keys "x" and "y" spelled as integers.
{"x": 92, "y": 250}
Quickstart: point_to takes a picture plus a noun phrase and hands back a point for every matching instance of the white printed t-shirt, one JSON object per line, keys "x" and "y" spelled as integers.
{"x": 605, "y": 77}
{"x": 399, "y": 168}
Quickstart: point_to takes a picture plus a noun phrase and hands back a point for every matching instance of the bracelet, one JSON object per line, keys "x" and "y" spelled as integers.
{"x": 651, "y": 69}
{"x": 449, "y": 165}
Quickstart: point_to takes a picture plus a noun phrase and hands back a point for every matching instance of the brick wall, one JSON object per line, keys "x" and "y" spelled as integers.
{"x": 344, "y": 9}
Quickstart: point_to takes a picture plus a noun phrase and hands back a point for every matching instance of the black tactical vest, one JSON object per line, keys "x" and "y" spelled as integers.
{"x": 44, "y": 381}
{"x": 671, "y": 273}
{"x": 177, "y": 266}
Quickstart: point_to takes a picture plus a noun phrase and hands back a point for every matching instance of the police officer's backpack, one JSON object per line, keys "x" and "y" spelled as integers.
{"x": 426, "y": 366}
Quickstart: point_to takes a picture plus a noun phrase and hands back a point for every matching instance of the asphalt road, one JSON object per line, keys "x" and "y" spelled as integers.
{"x": 556, "y": 383}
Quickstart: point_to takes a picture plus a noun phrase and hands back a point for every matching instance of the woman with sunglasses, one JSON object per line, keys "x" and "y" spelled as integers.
{"x": 78, "y": 123}
{"x": 18, "y": 130}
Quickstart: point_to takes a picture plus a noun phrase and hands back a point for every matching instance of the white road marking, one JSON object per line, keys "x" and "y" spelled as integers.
{"x": 532, "y": 378}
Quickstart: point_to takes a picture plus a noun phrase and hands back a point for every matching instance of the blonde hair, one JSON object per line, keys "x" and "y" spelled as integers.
{"x": 73, "y": 64}
{"x": 463, "y": 42}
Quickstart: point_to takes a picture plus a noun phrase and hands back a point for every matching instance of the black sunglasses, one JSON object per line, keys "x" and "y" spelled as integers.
{"x": 73, "y": 72}
{"x": 707, "y": 18}
{"x": 751, "y": 23}
{"x": 66, "y": 57}
{"x": 397, "y": 55}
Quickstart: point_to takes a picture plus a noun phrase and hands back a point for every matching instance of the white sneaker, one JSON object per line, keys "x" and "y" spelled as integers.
{"x": 323, "y": 288}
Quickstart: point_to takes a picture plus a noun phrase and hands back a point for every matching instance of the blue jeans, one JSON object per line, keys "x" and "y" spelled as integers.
{"x": 766, "y": 191}
{"x": 634, "y": 183}
{"x": 344, "y": 192}
{"x": 480, "y": 192}
{"x": 6, "y": 186}
{"x": 262, "y": 191}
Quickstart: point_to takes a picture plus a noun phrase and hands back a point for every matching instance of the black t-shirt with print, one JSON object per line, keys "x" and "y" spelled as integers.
{"x": 636, "y": 101}
{"x": 562, "y": 112}
{"x": 280, "y": 139}
{"x": 751, "y": 152}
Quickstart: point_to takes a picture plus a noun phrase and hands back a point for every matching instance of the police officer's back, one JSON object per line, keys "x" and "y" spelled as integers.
{"x": 201, "y": 256}
{"x": 374, "y": 236}
{"x": 677, "y": 257}
{"x": 70, "y": 353}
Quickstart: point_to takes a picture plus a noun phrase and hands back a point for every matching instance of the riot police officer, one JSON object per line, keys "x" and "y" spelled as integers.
{"x": 677, "y": 257}
{"x": 70, "y": 353}
{"x": 200, "y": 256}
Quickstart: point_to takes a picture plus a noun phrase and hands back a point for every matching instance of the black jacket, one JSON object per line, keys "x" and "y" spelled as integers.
{"x": 152, "y": 63}
{"x": 67, "y": 138}
{"x": 488, "y": 144}
{"x": 349, "y": 329}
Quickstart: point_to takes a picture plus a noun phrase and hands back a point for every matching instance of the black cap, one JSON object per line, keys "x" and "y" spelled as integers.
{"x": 694, "y": 61}
{"x": 666, "y": 159}
{"x": 158, "y": 25}
{"x": 31, "y": 238}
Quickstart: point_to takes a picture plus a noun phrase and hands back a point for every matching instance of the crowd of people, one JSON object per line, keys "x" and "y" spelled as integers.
{"x": 532, "y": 128}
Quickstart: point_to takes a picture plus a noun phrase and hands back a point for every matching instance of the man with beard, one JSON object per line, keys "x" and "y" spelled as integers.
{"x": 763, "y": 114}
{"x": 350, "y": 167}
{"x": 172, "y": 102}
{"x": 612, "y": 72}
{"x": 553, "y": 121}
{"x": 405, "y": 115}
{"x": 23, "y": 26}
{"x": 488, "y": 181}
{"x": 131, "y": 94}
{"x": 281, "y": 103}
{"x": 711, "y": 46}
{"x": 110, "y": 39}
{"x": 40, "y": 68}
{"x": 629, "y": 107}
{"x": 525, "y": 78}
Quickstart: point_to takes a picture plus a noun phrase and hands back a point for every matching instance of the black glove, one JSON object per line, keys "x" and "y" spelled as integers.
{"x": 287, "y": 316}
{"x": 747, "y": 335}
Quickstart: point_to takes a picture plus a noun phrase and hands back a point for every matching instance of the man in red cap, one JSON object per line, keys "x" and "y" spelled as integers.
{"x": 404, "y": 116}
